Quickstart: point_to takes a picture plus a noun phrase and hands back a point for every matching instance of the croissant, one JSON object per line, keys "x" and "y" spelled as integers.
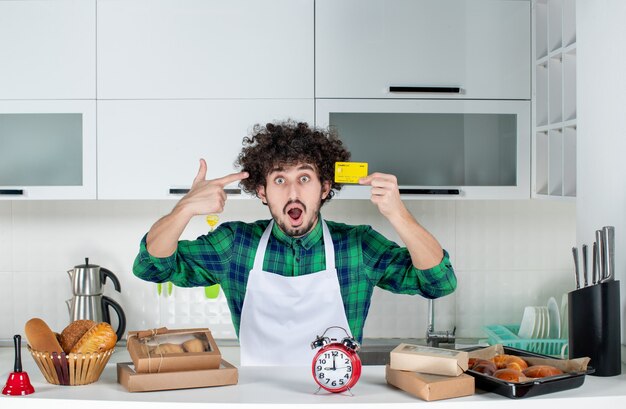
{"x": 509, "y": 361}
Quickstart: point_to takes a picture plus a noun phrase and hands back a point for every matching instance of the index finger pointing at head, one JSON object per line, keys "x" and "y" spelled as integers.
{"x": 201, "y": 172}
{"x": 233, "y": 177}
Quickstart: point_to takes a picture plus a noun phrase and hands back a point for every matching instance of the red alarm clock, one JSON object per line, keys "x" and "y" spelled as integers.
{"x": 336, "y": 366}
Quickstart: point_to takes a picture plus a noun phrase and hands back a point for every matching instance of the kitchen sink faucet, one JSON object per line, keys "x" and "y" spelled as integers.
{"x": 434, "y": 338}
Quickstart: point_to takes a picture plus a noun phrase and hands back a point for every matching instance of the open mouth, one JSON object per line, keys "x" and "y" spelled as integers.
{"x": 295, "y": 213}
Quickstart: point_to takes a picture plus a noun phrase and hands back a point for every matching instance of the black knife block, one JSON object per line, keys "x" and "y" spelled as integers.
{"x": 594, "y": 327}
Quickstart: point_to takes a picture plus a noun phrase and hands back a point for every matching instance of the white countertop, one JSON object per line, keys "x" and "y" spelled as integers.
{"x": 269, "y": 387}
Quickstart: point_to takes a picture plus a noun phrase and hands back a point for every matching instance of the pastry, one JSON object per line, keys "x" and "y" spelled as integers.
{"x": 167, "y": 348}
{"x": 98, "y": 338}
{"x": 508, "y": 374}
{"x": 507, "y": 361}
{"x": 485, "y": 366}
{"x": 541, "y": 371}
{"x": 40, "y": 336}
{"x": 194, "y": 345}
{"x": 73, "y": 332}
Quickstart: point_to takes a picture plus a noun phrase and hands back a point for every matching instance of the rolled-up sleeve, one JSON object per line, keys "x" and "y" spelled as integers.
{"x": 150, "y": 268}
{"x": 391, "y": 268}
{"x": 200, "y": 262}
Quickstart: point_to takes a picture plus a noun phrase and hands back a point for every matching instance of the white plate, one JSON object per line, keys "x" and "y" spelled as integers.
{"x": 555, "y": 319}
{"x": 527, "y": 325}
{"x": 547, "y": 322}
{"x": 538, "y": 330}
{"x": 564, "y": 317}
{"x": 544, "y": 322}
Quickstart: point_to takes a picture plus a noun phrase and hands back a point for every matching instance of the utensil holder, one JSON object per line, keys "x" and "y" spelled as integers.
{"x": 594, "y": 327}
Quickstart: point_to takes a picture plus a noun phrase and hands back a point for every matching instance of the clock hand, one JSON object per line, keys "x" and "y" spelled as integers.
{"x": 328, "y": 368}
{"x": 334, "y": 366}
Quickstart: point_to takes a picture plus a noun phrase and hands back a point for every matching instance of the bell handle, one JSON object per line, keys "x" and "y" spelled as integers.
{"x": 17, "y": 341}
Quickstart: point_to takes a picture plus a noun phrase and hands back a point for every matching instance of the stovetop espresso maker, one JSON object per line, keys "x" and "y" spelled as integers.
{"x": 88, "y": 302}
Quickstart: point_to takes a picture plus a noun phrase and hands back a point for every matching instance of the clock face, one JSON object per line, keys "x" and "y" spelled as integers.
{"x": 335, "y": 368}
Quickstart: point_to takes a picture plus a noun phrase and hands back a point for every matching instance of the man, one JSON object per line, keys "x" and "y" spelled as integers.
{"x": 289, "y": 278}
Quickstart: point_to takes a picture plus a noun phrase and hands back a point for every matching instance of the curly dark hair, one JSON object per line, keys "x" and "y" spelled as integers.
{"x": 289, "y": 143}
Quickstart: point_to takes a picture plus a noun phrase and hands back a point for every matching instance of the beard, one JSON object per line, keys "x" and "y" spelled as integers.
{"x": 282, "y": 219}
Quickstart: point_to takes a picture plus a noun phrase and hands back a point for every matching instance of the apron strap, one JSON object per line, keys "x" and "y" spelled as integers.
{"x": 328, "y": 247}
{"x": 260, "y": 250}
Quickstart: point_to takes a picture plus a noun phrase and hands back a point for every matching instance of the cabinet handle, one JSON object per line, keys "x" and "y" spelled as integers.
{"x": 16, "y": 192}
{"x": 175, "y": 191}
{"x": 430, "y": 191}
{"x": 445, "y": 90}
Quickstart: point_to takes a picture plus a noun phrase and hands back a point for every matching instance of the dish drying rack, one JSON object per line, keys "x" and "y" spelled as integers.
{"x": 507, "y": 336}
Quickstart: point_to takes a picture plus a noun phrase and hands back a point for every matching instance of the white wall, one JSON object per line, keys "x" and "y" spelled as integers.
{"x": 507, "y": 254}
{"x": 601, "y": 148}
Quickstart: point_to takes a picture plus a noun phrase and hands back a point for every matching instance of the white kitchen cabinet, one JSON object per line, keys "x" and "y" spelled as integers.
{"x": 47, "y": 149}
{"x": 481, "y": 47}
{"x": 48, "y": 49}
{"x": 554, "y": 99}
{"x": 150, "y": 149}
{"x": 179, "y": 49}
{"x": 438, "y": 149}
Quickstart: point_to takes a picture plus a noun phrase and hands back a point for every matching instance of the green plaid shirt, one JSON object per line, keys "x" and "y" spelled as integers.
{"x": 363, "y": 258}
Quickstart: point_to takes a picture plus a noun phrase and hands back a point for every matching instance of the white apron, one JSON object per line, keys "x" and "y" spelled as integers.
{"x": 281, "y": 316}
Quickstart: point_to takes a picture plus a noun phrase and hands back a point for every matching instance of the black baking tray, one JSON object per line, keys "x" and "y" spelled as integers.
{"x": 536, "y": 387}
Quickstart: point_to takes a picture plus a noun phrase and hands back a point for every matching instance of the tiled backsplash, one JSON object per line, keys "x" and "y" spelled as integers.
{"x": 507, "y": 254}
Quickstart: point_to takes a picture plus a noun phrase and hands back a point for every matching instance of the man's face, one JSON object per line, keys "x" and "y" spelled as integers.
{"x": 294, "y": 195}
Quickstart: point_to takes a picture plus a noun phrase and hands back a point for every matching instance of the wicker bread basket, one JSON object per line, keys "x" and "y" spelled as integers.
{"x": 71, "y": 369}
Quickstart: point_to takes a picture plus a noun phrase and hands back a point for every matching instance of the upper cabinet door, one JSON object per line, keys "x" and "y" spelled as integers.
{"x": 150, "y": 149}
{"x": 442, "y": 148}
{"x": 205, "y": 49}
{"x": 48, "y": 49}
{"x": 47, "y": 149}
{"x": 365, "y": 47}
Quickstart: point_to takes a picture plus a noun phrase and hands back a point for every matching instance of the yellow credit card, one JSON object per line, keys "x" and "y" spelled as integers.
{"x": 350, "y": 172}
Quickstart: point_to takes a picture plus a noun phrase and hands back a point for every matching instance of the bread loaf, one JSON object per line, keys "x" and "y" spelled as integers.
{"x": 73, "y": 332}
{"x": 541, "y": 371}
{"x": 98, "y": 338}
{"x": 40, "y": 336}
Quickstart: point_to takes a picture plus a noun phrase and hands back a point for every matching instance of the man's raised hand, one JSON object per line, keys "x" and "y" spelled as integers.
{"x": 208, "y": 196}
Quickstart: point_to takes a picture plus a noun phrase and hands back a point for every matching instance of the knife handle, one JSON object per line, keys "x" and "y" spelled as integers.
{"x": 576, "y": 275}
{"x": 585, "y": 275}
{"x": 608, "y": 235}
{"x": 595, "y": 268}
{"x": 601, "y": 255}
